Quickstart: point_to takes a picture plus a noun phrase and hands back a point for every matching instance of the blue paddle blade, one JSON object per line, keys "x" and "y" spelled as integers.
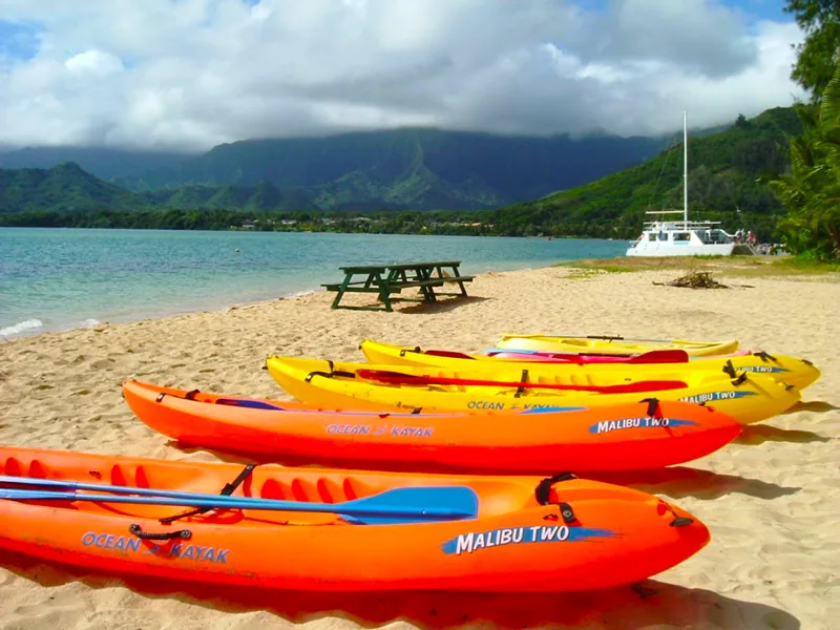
{"x": 444, "y": 503}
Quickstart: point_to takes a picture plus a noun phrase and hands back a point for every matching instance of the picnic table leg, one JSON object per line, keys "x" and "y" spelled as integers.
{"x": 427, "y": 291}
{"x": 384, "y": 290}
{"x": 456, "y": 274}
{"x": 379, "y": 282}
{"x": 341, "y": 289}
{"x": 460, "y": 283}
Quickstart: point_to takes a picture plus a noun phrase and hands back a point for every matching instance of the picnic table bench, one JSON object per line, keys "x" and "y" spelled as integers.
{"x": 385, "y": 280}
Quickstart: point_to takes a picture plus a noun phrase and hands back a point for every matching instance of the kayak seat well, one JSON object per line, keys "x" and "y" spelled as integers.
{"x": 14, "y": 468}
{"x": 322, "y": 491}
{"x": 136, "y": 480}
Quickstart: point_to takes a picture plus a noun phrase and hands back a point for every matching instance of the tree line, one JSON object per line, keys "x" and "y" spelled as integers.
{"x": 810, "y": 192}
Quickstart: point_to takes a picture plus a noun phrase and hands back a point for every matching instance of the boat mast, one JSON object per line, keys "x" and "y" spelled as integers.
{"x": 685, "y": 167}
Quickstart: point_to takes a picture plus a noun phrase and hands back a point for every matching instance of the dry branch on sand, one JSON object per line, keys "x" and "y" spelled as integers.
{"x": 695, "y": 280}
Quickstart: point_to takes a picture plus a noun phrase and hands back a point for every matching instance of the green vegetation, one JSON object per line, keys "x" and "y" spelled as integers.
{"x": 65, "y": 188}
{"x": 260, "y": 198}
{"x": 382, "y": 222}
{"x": 820, "y": 52}
{"x": 723, "y": 169}
{"x": 741, "y": 266}
{"x": 409, "y": 168}
{"x": 810, "y": 191}
{"x": 801, "y": 265}
{"x": 104, "y": 163}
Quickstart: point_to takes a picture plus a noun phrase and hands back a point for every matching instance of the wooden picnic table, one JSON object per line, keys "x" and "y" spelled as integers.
{"x": 385, "y": 280}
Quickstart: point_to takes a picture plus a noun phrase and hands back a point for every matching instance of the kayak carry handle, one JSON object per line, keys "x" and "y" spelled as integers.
{"x": 135, "y": 529}
{"x": 541, "y": 493}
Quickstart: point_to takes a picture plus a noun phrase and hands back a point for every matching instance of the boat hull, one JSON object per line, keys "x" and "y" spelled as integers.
{"x": 616, "y": 535}
{"x": 624, "y": 437}
{"x": 612, "y": 345}
{"x": 657, "y": 249}
{"x": 790, "y": 370}
{"x": 747, "y": 398}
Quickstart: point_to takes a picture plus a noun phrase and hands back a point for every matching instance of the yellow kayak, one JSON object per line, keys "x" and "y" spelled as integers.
{"x": 364, "y": 386}
{"x": 613, "y": 345}
{"x": 790, "y": 370}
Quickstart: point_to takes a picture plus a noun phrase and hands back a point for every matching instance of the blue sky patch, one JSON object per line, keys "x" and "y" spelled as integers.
{"x": 761, "y": 9}
{"x": 752, "y": 10}
{"x": 20, "y": 39}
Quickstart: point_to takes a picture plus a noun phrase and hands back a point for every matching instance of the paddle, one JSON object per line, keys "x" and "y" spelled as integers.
{"x": 450, "y": 354}
{"x": 492, "y": 351}
{"x": 398, "y": 378}
{"x": 602, "y": 337}
{"x": 399, "y": 505}
{"x": 660, "y": 356}
{"x": 654, "y": 356}
{"x": 248, "y": 403}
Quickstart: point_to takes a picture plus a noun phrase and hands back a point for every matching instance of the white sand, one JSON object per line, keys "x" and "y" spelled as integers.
{"x": 771, "y": 500}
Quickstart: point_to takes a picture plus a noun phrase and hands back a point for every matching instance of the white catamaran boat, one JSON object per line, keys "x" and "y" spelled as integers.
{"x": 663, "y": 237}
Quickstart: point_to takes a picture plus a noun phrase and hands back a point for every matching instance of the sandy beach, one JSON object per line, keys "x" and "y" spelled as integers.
{"x": 771, "y": 499}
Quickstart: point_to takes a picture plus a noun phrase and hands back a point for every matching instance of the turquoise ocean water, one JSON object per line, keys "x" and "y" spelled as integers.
{"x": 55, "y": 279}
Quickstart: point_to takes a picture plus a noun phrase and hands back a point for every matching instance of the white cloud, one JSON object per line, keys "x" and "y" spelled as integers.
{"x": 94, "y": 63}
{"x": 194, "y": 73}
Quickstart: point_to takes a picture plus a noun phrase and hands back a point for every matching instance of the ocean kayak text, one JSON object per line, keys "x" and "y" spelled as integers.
{"x": 122, "y": 543}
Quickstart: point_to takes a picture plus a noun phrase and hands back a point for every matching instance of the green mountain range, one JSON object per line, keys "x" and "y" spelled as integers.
{"x": 439, "y": 173}
{"x": 421, "y": 169}
{"x": 260, "y": 198}
{"x": 63, "y": 188}
{"x": 105, "y": 163}
{"x": 409, "y": 168}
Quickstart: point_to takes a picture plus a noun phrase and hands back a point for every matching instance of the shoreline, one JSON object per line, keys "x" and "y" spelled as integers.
{"x": 770, "y": 498}
{"x": 95, "y": 323}
{"x": 59, "y": 283}
{"x": 742, "y": 264}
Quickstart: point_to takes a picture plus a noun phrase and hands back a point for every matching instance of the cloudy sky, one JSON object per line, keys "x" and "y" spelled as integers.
{"x": 191, "y": 74}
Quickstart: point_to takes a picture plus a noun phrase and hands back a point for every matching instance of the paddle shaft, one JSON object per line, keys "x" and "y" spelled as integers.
{"x": 101, "y": 487}
{"x": 599, "y": 337}
{"x": 654, "y": 356}
{"x": 355, "y": 508}
{"x": 410, "y": 379}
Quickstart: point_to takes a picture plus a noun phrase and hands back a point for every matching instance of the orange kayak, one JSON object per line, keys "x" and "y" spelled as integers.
{"x": 621, "y": 437}
{"x": 503, "y": 534}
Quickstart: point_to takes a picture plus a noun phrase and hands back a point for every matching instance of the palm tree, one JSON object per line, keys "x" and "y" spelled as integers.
{"x": 811, "y": 191}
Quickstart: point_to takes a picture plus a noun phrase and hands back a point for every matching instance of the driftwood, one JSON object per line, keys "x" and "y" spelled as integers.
{"x": 695, "y": 280}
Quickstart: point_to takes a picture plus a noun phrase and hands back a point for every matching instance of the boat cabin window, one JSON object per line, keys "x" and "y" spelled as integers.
{"x": 682, "y": 236}
{"x": 719, "y": 236}
{"x": 652, "y": 236}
